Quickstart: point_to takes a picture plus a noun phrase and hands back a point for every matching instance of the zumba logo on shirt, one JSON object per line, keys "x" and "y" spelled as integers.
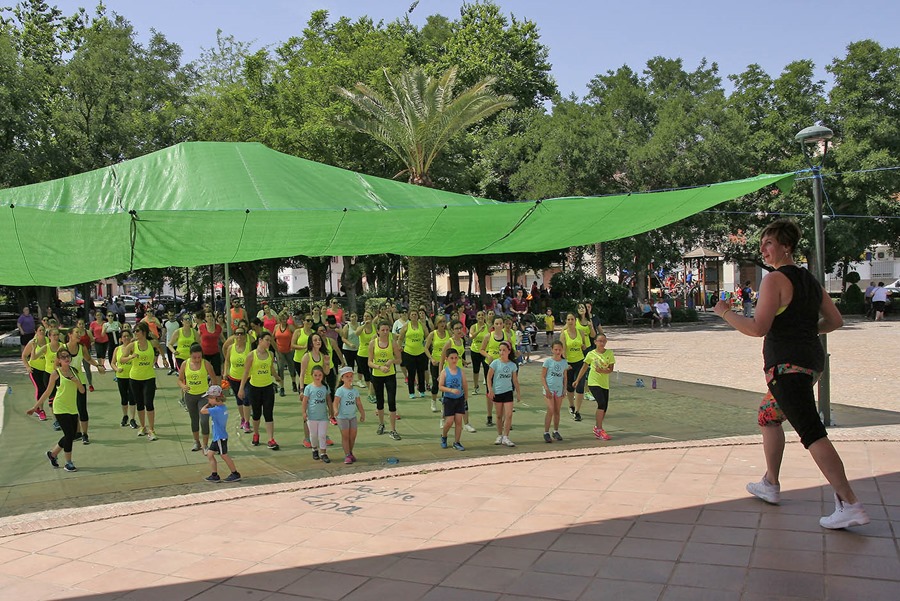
{"x": 317, "y": 396}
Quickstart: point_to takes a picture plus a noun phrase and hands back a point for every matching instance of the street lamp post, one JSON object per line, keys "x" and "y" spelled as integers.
{"x": 816, "y": 136}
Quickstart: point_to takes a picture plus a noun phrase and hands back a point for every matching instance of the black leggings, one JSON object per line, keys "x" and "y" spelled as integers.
{"x": 571, "y": 386}
{"x": 125, "y": 395}
{"x": 81, "y": 403}
{"x": 216, "y": 361}
{"x": 68, "y": 423}
{"x": 144, "y": 392}
{"x": 380, "y": 384}
{"x": 435, "y": 376}
{"x": 601, "y": 395}
{"x": 262, "y": 402}
{"x": 479, "y": 364}
{"x": 416, "y": 365}
{"x": 362, "y": 366}
{"x": 39, "y": 378}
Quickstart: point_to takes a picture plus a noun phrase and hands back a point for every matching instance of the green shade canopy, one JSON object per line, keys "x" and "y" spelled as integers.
{"x": 199, "y": 203}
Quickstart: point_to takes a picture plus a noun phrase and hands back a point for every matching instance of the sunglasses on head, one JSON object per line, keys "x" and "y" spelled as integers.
{"x": 239, "y": 333}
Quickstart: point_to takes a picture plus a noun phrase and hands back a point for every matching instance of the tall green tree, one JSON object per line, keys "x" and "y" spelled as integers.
{"x": 416, "y": 120}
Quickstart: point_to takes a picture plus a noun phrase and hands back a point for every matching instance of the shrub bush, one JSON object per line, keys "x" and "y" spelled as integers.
{"x": 609, "y": 300}
{"x": 684, "y": 315}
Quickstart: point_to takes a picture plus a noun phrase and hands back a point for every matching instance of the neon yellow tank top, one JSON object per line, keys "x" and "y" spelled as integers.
{"x": 125, "y": 374}
{"x": 310, "y": 364}
{"x": 414, "y": 343}
{"x": 183, "y": 348}
{"x": 196, "y": 378}
{"x": 493, "y": 347}
{"x": 236, "y": 361}
{"x": 66, "y": 394}
{"x": 381, "y": 357}
{"x": 460, "y": 348}
{"x": 41, "y": 362}
{"x": 573, "y": 346}
{"x": 142, "y": 364}
{"x": 365, "y": 339}
{"x": 302, "y": 340}
{"x": 261, "y": 372}
{"x": 437, "y": 344}
{"x": 583, "y": 329}
{"x": 50, "y": 358}
{"x": 478, "y": 337}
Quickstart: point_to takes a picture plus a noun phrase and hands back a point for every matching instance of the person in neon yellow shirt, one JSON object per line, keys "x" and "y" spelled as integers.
{"x": 260, "y": 371}
{"x": 194, "y": 377}
{"x": 601, "y": 362}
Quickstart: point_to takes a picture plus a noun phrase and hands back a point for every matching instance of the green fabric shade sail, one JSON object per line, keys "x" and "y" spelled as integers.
{"x": 199, "y": 203}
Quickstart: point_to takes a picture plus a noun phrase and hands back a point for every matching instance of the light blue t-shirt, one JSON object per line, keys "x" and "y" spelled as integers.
{"x": 556, "y": 374}
{"x": 452, "y": 380}
{"x": 317, "y": 406}
{"x": 503, "y": 373}
{"x": 218, "y": 415}
{"x": 347, "y": 404}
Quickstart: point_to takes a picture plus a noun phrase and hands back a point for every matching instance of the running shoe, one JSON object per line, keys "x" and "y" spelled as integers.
{"x": 306, "y": 443}
{"x": 572, "y": 410}
{"x": 213, "y": 478}
{"x": 499, "y": 440}
{"x": 115, "y": 379}
{"x": 132, "y": 424}
{"x": 347, "y": 460}
{"x": 361, "y": 384}
{"x": 325, "y": 458}
{"x": 124, "y": 423}
{"x": 489, "y": 422}
{"x": 196, "y": 446}
{"x": 294, "y": 386}
{"x": 142, "y": 431}
{"x": 470, "y": 428}
{"x": 508, "y": 442}
{"x": 91, "y": 388}
{"x": 333, "y": 421}
{"x": 604, "y": 435}
{"x": 845, "y": 515}
{"x": 434, "y": 408}
{"x": 577, "y": 416}
{"x": 273, "y": 445}
{"x": 588, "y": 396}
{"x": 547, "y": 437}
{"x": 70, "y": 467}
{"x": 476, "y": 391}
{"x": 412, "y": 397}
{"x": 328, "y": 441}
{"x": 233, "y": 477}
{"x": 316, "y": 455}
{"x": 255, "y": 440}
{"x": 394, "y": 435}
{"x": 41, "y": 415}
{"x": 281, "y": 391}
{"x": 52, "y": 459}
{"x": 247, "y": 427}
{"x": 56, "y": 425}
{"x": 183, "y": 404}
{"x": 372, "y": 399}
{"x": 765, "y": 490}
{"x": 352, "y": 457}
{"x": 85, "y": 439}
{"x": 557, "y": 436}
{"x": 458, "y": 446}
{"x": 151, "y": 435}
{"x": 422, "y": 395}
{"x": 380, "y": 429}
{"x": 443, "y": 442}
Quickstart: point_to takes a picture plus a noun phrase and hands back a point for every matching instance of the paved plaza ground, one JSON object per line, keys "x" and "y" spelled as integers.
{"x": 659, "y": 512}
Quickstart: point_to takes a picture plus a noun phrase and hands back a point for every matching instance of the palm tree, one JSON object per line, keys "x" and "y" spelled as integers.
{"x": 417, "y": 119}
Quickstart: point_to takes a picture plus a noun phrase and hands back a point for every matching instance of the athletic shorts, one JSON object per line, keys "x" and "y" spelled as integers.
{"x": 454, "y": 406}
{"x": 504, "y": 397}
{"x": 219, "y": 447}
{"x": 347, "y": 424}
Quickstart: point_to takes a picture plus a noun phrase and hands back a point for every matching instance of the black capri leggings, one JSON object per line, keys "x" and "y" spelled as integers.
{"x": 39, "y": 378}
{"x": 416, "y": 366}
{"x": 125, "y": 395}
{"x": 68, "y": 423}
{"x": 794, "y": 395}
{"x": 199, "y": 422}
{"x": 81, "y": 403}
{"x": 601, "y": 395}
{"x": 435, "y": 376}
{"x": 571, "y": 375}
{"x": 262, "y": 402}
{"x": 144, "y": 392}
{"x": 216, "y": 361}
{"x": 382, "y": 383}
{"x": 100, "y": 350}
{"x": 362, "y": 367}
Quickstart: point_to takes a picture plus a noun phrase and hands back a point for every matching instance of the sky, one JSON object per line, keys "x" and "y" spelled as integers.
{"x": 585, "y": 37}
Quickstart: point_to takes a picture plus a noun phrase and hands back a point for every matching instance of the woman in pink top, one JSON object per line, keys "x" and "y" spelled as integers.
{"x": 101, "y": 338}
{"x": 335, "y": 309}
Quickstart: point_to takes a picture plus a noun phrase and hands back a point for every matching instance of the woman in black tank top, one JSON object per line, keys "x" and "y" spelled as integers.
{"x": 791, "y": 311}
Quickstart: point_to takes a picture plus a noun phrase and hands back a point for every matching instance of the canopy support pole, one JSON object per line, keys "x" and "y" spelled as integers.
{"x": 227, "y": 286}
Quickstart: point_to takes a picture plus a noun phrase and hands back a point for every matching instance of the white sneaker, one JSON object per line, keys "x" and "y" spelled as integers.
{"x": 508, "y": 442}
{"x": 845, "y": 515}
{"x": 434, "y": 408}
{"x": 765, "y": 490}
{"x": 469, "y": 428}
{"x": 499, "y": 440}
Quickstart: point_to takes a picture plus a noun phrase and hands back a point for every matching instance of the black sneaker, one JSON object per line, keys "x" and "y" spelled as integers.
{"x": 213, "y": 478}
{"x": 316, "y": 455}
{"x": 294, "y": 386}
{"x": 489, "y": 422}
{"x": 325, "y": 458}
{"x": 281, "y": 391}
{"x": 577, "y": 416}
{"x": 234, "y": 477}
{"x": 56, "y": 426}
{"x": 557, "y": 436}
{"x": 547, "y": 437}
{"x": 572, "y": 410}
{"x": 394, "y": 435}
{"x": 380, "y": 429}
{"x": 124, "y": 421}
{"x": 132, "y": 424}
{"x": 70, "y": 467}
{"x": 52, "y": 459}
{"x": 85, "y": 439}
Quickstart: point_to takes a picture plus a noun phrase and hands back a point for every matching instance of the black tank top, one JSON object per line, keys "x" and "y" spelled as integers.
{"x": 794, "y": 335}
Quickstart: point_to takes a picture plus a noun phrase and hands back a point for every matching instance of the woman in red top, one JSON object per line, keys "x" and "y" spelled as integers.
{"x": 336, "y": 310}
{"x": 210, "y": 338}
{"x": 284, "y": 334}
{"x": 101, "y": 338}
{"x": 86, "y": 341}
{"x": 269, "y": 318}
